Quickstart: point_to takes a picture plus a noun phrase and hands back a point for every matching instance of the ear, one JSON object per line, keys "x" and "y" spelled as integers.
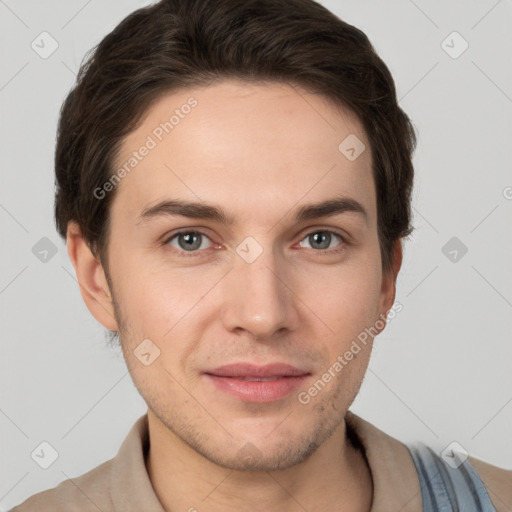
{"x": 91, "y": 278}
{"x": 388, "y": 289}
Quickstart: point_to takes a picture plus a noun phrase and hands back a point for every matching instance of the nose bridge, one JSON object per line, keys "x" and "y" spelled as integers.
{"x": 257, "y": 297}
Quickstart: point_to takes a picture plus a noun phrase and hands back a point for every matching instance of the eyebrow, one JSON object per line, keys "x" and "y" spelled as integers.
{"x": 195, "y": 210}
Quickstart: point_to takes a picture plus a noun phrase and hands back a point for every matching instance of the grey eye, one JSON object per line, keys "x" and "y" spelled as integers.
{"x": 321, "y": 239}
{"x": 189, "y": 240}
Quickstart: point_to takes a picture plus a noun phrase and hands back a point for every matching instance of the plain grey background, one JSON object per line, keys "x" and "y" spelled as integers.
{"x": 441, "y": 370}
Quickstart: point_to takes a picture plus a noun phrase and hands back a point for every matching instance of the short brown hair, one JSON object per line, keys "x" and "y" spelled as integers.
{"x": 175, "y": 44}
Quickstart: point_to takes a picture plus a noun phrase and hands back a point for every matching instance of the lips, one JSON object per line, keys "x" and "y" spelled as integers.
{"x": 253, "y": 383}
{"x": 241, "y": 370}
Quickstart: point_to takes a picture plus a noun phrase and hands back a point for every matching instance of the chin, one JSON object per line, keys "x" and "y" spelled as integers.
{"x": 261, "y": 459}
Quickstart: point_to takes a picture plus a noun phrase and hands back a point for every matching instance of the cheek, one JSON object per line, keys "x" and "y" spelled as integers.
{"x": 160, "y": 302}
{"x": 156, "y": 298}
{"x": 141, "y": 285}
{"x": 346, "y": 298}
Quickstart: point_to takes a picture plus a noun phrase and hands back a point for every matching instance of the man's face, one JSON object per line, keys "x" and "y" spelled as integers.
{"x": 267, "y": 289}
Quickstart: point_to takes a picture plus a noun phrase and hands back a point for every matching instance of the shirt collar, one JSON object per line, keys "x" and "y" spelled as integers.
{"x": 395, "y": 482}
{"x": 131, "y": 488}
{"x": 396, "y": 486}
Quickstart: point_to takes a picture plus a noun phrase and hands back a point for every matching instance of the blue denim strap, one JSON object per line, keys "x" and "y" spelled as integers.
{"x": 447, "y": 489}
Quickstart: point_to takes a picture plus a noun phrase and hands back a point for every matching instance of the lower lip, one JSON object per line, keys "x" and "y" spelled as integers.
{"x": 258, "y": 391}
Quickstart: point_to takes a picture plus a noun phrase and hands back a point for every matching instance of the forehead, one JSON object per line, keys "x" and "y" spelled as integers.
{"x": 251, "y": 146}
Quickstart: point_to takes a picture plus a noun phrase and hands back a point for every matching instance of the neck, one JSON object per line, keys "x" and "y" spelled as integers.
{"x": 335, "y": 475}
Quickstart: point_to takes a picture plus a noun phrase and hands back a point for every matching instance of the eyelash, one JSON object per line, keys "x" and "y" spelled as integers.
{"x": 196, "y": 253}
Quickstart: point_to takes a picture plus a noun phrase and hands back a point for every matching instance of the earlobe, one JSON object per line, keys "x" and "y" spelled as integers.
{"x": 91, "y": 278}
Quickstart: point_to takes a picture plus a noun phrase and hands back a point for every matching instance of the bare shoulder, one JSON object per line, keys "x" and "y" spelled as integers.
{"x": 498, "y": 482}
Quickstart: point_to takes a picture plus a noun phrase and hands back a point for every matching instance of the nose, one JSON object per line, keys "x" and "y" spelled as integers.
{"x": 259, "y": 298}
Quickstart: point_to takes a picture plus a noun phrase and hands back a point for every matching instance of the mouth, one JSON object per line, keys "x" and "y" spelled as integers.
{"x": 259, "y": 384}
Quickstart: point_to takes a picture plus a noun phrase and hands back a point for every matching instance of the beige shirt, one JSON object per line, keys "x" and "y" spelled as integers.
{"x": 122, "y": 484}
